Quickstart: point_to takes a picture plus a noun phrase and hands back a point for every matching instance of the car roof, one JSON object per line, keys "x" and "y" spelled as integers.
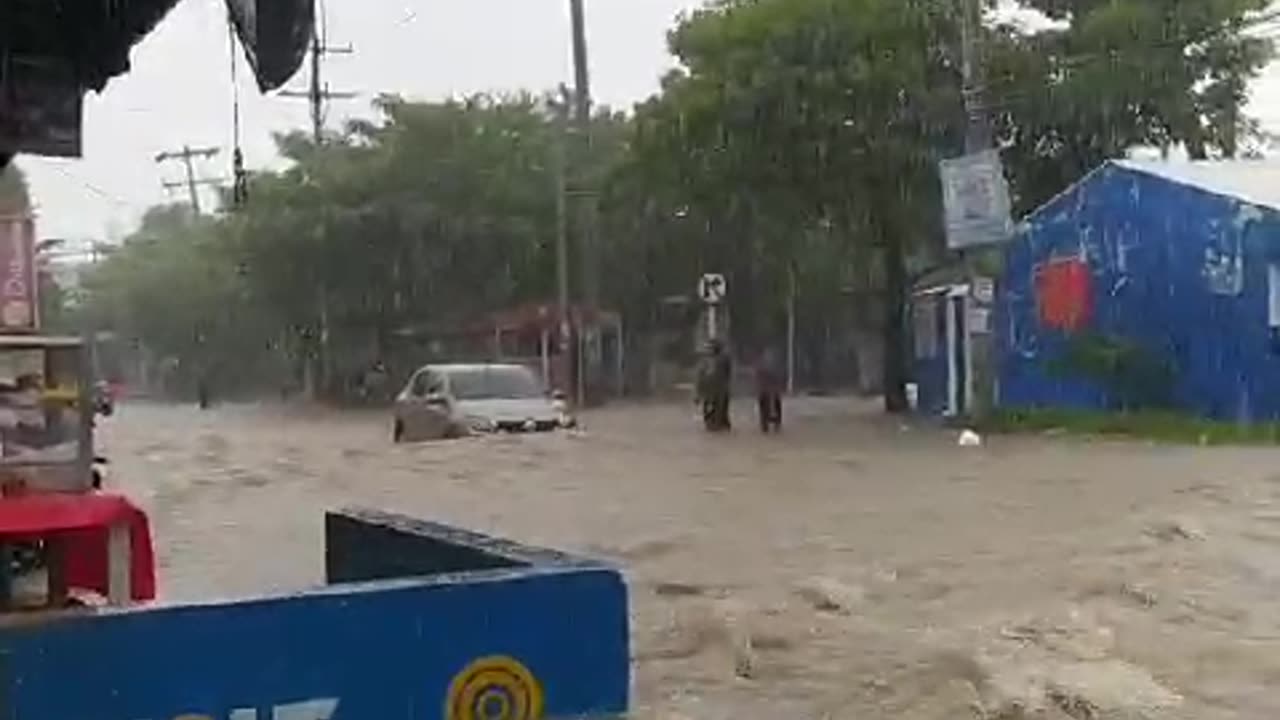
{"x": 472, "y": 367}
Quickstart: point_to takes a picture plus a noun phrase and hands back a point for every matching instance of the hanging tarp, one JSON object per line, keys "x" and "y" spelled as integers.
{"x": 275, "y": 35}
{"x": 52, "y": 52}
{"x": 40, "y": 107}
{"x": 92, "y": 38}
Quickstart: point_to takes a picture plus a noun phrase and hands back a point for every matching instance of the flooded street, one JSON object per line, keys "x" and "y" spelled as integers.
{"x": 850, "y": 568}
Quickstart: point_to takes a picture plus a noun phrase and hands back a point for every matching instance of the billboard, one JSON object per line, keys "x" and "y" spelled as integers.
{"x": 18, "y": 308}
{"x": 975, "y": 200}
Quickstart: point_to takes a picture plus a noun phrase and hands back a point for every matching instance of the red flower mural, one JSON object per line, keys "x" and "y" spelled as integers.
{"x": 1063, "y": 294}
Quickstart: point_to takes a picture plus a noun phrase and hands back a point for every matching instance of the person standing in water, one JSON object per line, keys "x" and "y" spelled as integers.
{"x": 202, "y": 391}
{"x": 714, "y": 381}
{"x": 769, "y": 385}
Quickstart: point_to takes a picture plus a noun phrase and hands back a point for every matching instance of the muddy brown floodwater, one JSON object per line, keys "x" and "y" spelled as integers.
{"x": 850, "y": 568}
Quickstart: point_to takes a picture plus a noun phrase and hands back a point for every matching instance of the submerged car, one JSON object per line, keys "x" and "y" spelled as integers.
{"x": 442, "y": 401}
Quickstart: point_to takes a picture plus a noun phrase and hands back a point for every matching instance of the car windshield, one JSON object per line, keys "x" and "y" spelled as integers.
{"x": 494, "y": 382}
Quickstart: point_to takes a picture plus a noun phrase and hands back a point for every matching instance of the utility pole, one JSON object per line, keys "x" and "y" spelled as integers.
{"x": 318, "y": 95}
{"x": 318, "y": 92}
{"x": 561, "y": 109}
{"x": 585, "y": 194}
{"x": 978, "y": 130}
{"x": 185, "y": 155}
{"x": 978, "y": 389}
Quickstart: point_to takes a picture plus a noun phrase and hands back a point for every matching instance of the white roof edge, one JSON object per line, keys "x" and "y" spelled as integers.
{"x": 1065, "y": 191}
{"x": 1256, "y": 182}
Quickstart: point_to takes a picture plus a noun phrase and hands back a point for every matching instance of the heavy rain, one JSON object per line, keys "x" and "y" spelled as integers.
{"x": 903, "y": 358}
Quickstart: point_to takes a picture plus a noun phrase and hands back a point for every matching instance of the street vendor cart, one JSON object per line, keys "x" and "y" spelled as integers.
{"x": 63, "y": 542}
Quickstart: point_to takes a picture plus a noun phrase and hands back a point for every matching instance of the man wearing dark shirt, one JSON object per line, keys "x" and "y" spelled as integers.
{"x": 714, "y": 384}
{"x": 769, "y": 392}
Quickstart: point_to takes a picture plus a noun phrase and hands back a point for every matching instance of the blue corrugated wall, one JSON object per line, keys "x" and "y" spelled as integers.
{"x": 1180, "y": 271}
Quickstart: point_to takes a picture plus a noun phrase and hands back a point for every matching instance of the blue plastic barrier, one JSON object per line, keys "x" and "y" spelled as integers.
{"x": 533, "y": 633}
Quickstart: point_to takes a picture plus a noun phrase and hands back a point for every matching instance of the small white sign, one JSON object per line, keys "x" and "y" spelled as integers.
{"x": 979, "y": 321}
{"x": 712, "y": 288}
{"x": 984, "y": 290}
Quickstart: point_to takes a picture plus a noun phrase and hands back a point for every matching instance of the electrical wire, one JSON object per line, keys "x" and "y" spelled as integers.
{"x": 90, "y": 186}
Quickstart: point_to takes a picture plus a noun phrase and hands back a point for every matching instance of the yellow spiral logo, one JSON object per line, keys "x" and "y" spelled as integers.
{"x": 494, "y": 688}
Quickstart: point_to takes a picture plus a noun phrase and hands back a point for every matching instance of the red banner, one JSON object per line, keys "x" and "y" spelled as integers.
{"x": 17, "y": 274}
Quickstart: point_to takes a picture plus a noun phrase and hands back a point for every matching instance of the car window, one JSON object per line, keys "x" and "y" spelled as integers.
{"x": 426, "y": 383}
{"x": 418, "y": 385}
{"x": 484, "y": 383}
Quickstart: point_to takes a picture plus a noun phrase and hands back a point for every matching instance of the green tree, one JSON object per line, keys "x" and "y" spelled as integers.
{"x": 1118, "y": 74}
{"x": 802, "y": 137}
{"x": 437, "y": 213}
{"x": 172, "y": 286}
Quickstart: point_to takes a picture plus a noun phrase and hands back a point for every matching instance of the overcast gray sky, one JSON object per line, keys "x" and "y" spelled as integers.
{"x": 179, "y": 91}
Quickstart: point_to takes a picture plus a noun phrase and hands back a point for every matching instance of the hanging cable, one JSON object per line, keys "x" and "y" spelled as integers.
{"x": 240, "y": 179}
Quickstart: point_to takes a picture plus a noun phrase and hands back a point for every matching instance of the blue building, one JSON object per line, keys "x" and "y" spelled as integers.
{"x": 1177, "y": 264}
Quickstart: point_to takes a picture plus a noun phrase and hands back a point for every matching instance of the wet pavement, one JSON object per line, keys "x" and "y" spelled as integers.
{"x": 852, "y": 567}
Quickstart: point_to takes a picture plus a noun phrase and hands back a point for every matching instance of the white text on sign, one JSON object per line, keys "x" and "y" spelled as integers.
{"x": 318, "y": 709}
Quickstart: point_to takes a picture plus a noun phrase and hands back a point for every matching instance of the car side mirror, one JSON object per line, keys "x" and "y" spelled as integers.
{"x": 437, "y": 400}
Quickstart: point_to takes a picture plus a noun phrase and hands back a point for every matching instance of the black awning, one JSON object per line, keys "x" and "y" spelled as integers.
{"x": 275, "y": 35}
{"x": 52, "y": 52}
{"x": 94, "y": 37}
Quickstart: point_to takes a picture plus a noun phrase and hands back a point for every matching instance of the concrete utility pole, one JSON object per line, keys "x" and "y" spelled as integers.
{"x": 584, "y": 192}
{"x": 979, "y": 387}
{"x": 561, "y": 108}
{"x": 978, "y": 130}
{"x": 318, "y": 95}
{"x": 185, "y": 155}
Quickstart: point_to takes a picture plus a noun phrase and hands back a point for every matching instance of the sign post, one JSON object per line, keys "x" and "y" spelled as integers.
{"x": 712, "y": 288}
{"x": 977, "y": 214}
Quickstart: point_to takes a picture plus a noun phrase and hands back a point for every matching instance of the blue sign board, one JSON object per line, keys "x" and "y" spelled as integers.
{"x": 499, "y": 644}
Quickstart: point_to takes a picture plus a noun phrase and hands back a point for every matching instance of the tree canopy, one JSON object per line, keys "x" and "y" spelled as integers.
{"x": 794, "y": 148}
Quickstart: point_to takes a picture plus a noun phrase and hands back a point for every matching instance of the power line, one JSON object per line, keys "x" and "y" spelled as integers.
{"x": 91, "y": 187}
